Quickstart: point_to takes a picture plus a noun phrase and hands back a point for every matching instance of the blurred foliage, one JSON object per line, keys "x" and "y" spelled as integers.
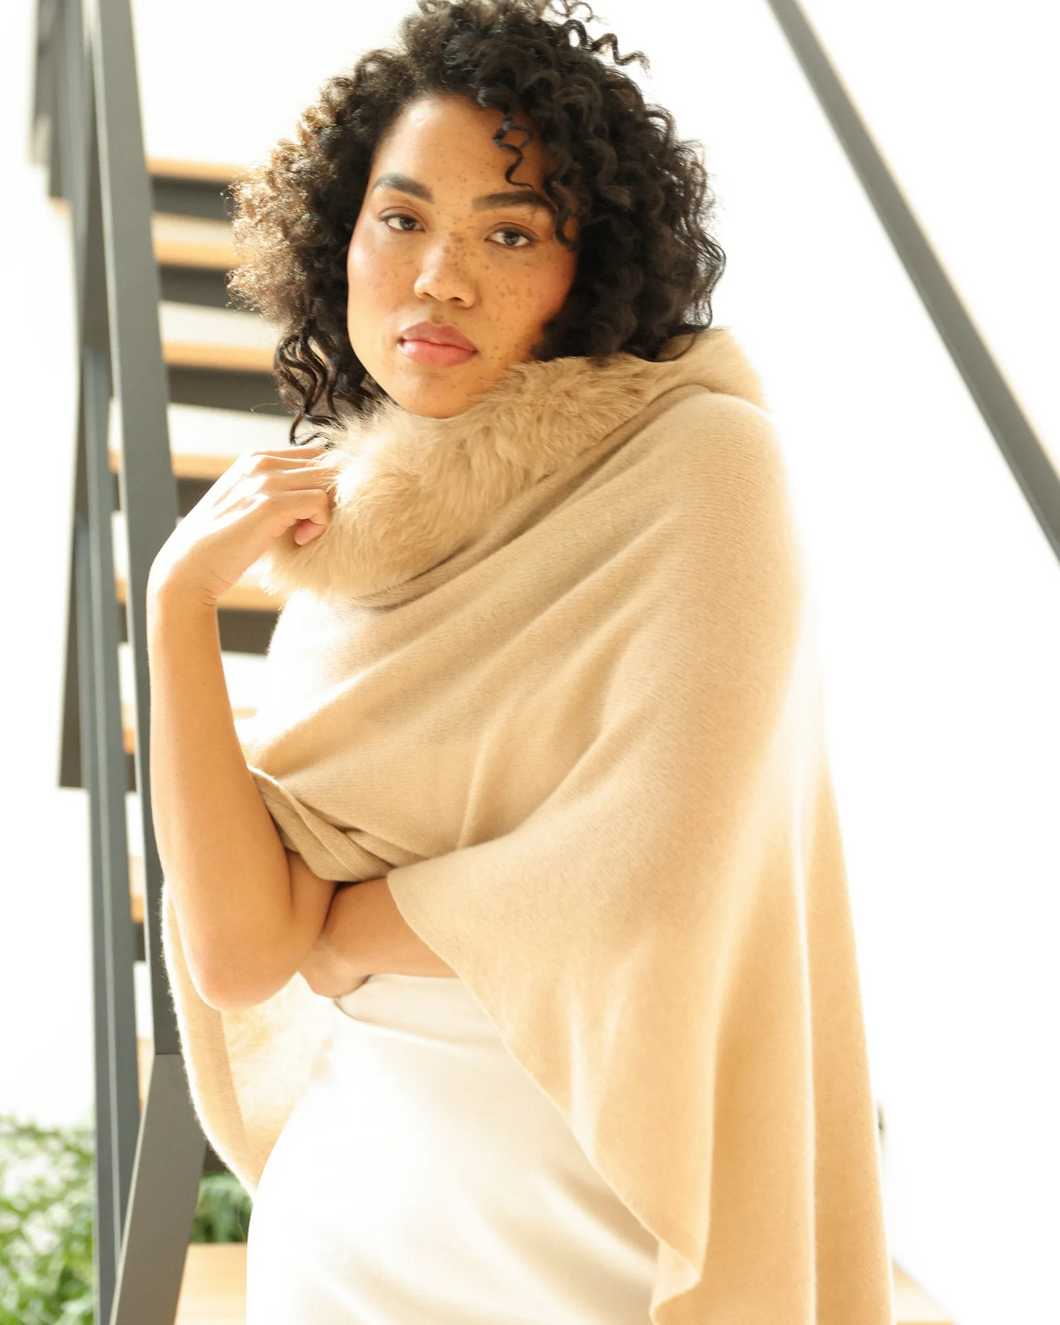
{"x": 223, "y": 1211}
{"x": 46, "y": 1186}
{"x": 45, "y": 1224}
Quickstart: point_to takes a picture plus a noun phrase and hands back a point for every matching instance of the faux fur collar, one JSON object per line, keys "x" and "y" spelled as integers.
{"x": 412, "y": 490}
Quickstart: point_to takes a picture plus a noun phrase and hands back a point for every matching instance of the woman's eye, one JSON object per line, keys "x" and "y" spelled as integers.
{"x": 507, "y": 237}
{"x": 518, "y": 234}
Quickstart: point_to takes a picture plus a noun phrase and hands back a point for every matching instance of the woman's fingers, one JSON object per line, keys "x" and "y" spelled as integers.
{"x": 288, "y": 460}
{"x": 309, "y": 509}
{"x": 306, "y": 530}
{"x": 261, "y": 495}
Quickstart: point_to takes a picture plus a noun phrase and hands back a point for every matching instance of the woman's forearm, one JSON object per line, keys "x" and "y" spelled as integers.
{"x": 244, "y": 927}
{"x": 380, "y": 936}
{"x": 365, "y": 934}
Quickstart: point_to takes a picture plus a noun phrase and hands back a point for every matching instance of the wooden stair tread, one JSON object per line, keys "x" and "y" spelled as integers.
{"x": 213, "y": 1290}
{"x": 204, "y": 441}
{"x": 136, "y": 890}
{"x": 145, "y": 1057}
{"x": 200, "y": 172}
{"x": 247, "y": 595}
{"x": 217, "y": 356}
{"x": 213, "y": 1287}
{"x": 192, "y": 241}
{"x": 194, "y": 336}
{"x": 912, "y": 1306}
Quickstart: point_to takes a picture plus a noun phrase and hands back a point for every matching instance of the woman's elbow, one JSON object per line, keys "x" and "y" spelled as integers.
{"x": 227, "y": 984}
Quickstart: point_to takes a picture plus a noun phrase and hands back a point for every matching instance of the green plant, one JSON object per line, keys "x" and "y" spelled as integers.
{"x": 223, "y": 1211}
{"x": 46, "y": 1244}
{"x": 45, "y": 1224}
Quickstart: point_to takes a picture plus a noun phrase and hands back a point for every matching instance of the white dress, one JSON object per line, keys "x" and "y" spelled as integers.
{"x": 425, "y": 1178}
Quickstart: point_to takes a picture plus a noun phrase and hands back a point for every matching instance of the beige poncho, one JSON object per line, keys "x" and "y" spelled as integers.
{"x": 552, "y": 670}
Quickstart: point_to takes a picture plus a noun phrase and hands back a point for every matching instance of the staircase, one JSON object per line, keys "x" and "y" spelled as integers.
{"x": 222, "y": 401}
{"x": 214, "y": 354}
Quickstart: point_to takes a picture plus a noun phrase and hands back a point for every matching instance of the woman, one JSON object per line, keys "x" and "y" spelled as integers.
{"x": 582, "y": 1041}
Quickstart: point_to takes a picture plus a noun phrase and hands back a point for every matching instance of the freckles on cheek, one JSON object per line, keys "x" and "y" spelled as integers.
{"x": 366, "y": 269}
{"x": 527, "y": 304}
{"x": 368, "y": 280}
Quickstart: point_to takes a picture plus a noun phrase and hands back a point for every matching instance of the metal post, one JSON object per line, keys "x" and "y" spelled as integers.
{"x": 103, "y": 759}
{"x": 148, "y": 489}
{"x": 147, "y": 1170}
{"x": 119, "y": 939}
{"x": 106, "y": 1235}
{"x": 171, "y": 1147}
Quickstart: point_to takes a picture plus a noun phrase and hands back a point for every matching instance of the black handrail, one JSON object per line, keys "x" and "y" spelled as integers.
{"x": 994, "y": 398}
{"x": 147, "y": 1167}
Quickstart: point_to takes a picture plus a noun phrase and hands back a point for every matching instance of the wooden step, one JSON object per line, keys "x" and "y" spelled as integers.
{"x": 135, "y": 843}
{"x": 213, "y": 1290}
{"x": 198, "y": 172}
{"x": 194, "y": 336}
{"x": 145, "y": 1057}
{"x": 912, "y": 1306}
{"x": 183, "y": 188}
{"x": 137, "y": 892}
{"x": 203, "y": 442}
{"x": 247, "y": 595}
{"x": 213, "y": 1287}
{"x": 192, "y": 241}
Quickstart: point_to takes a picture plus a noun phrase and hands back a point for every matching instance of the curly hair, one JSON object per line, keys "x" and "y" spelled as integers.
{"x": 646, "y": 261}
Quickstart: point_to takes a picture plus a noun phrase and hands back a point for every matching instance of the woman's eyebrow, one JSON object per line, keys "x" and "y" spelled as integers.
{"x": 525, "y": 197}
{"x": 404, "y": 184}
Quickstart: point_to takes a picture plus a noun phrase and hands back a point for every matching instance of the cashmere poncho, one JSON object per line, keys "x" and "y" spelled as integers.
{"x": 551, "y": 669}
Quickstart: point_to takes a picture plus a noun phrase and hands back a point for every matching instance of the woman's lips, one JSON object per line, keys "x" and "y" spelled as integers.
{"x": 437, "y": 356}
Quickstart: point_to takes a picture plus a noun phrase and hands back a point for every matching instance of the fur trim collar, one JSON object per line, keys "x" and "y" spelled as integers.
{"x": 413, "y": 490}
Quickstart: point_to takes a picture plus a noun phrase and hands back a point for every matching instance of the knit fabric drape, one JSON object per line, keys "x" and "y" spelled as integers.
{"x": 552, "y": 670}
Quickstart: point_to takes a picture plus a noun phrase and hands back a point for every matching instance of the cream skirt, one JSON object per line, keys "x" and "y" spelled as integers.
{"x": 424, "y": 1178}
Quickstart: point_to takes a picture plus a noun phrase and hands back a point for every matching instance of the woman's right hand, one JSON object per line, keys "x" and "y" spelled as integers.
{"x": 258, "y": 497}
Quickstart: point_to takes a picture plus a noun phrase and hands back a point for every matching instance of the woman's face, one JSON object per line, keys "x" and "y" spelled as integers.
{"x": 445, "y": 248}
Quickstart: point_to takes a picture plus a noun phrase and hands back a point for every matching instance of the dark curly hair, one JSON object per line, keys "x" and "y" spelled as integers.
{"x": 646, "y": 262}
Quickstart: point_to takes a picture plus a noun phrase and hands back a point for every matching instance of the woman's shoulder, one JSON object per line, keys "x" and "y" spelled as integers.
{"x": 709, "y": 445}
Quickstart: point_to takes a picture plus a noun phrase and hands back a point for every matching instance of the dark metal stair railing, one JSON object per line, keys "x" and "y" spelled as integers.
{"x": 147, "y": 1167}
{"x": 1008, "y": 424}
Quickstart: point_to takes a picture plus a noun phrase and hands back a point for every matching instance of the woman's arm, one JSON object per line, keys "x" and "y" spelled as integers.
{"x": 246, "y": 922}
{"x": 364, "y": 934}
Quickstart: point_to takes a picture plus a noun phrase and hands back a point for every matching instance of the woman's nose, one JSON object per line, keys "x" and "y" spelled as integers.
{"x": 445, "y": 272}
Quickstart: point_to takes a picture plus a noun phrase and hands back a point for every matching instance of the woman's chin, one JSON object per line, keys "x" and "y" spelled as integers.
{"x": 437, "y": 393}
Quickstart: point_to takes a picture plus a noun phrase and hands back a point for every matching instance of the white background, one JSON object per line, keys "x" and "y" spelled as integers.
{"x": 939, "y": 597}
